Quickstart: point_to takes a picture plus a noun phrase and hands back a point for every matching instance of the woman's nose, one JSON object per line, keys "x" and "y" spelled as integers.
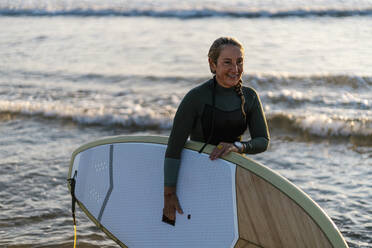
{"x": 235, "y": 67}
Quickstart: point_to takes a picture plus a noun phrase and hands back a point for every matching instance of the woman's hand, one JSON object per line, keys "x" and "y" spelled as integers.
{"x": 171, "y": 205}
{"x": 222, "y": 149}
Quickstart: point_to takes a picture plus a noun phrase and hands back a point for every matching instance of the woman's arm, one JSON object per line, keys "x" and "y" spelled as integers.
{"x": 181, "y": 129}
{"x": 182, "y": 126}
{"x": 258, "y": 128}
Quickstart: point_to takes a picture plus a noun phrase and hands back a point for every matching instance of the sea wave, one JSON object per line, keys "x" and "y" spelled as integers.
{"x": 186, "y": 13}
{"x": 96, "y": 77}
{"x": 256, "y": 80}
{"x": 135, "y": 116}
{"x": 297, "y": 98}
{"x": 323, "y": 126}
{"x": 327, "y": 80}
{"x": 141, "y": 118}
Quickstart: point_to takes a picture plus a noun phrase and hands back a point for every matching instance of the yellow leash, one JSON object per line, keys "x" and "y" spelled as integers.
{"x": 73, "y": 201}
{"x": 75, "y": 235}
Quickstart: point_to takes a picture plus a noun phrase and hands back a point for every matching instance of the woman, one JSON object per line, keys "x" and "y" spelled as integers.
{"x": 216, "y": 112}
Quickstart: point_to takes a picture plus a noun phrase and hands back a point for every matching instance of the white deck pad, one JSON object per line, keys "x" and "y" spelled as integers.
{"x": 121, "y": 185}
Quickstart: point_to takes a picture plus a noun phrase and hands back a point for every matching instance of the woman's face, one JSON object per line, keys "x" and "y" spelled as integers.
{"x": 229, "y": 68}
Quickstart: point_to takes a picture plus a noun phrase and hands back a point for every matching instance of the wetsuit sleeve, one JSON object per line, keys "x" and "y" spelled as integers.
{"x": 258, "y": 128}
{"x": 182, "y": 126}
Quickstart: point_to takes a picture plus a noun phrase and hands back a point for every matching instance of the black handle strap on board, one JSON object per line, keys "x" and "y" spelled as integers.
{"x": 168, "y": 221}
{"x": 72, "y": 182}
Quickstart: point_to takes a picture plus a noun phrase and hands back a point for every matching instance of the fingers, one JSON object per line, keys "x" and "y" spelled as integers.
{"x": 222, "y": 150}
{"x": 217, "y": 151}
{"x": 171, "y": 205}
{"x": 178, "y": 207}
{"x": 169, "y": 211}
{"x": 228, "y": 150}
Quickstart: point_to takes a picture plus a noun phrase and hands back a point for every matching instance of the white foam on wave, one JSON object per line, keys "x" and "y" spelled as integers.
{"x": 320, "y": 97}
{"x": 325, "y": 125}
{"x": 130, "y": 115}
{"x": 288, "y": 95}
{"x": 278, "y": 80}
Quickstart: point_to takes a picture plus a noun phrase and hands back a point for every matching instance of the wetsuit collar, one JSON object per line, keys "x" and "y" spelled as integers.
{"x": 220, "y": 89}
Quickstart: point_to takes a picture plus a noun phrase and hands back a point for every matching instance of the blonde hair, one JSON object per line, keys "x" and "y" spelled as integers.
{"x": 215, "y": 51}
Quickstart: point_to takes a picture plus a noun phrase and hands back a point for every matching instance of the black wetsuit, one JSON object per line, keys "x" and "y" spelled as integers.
{"x": 213, "y": 113}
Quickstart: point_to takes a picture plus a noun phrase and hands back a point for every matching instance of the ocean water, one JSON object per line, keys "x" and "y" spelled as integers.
{"x": 76, "y": 71}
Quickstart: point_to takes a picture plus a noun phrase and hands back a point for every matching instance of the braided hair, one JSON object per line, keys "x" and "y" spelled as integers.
{"x": 238, "y": 89}
{"x": 214, "y": 52}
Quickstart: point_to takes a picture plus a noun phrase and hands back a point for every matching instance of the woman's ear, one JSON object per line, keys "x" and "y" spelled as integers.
{"x": 212, "y": 65}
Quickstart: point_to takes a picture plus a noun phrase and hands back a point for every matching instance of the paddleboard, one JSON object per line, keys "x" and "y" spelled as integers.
{"x": 229, "y": 202}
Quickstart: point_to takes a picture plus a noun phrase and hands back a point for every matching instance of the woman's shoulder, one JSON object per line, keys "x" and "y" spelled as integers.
{"x": 201, "y": 89}
{"x": 249, "y": 92}
{"x": 195, "y": 97}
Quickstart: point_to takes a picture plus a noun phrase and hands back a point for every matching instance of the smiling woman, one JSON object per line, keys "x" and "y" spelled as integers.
{"x": 217, "y": 112}
{"x": 70, "y": 77}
